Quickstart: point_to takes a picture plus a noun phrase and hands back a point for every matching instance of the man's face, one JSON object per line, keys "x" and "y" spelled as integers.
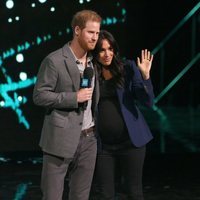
{"x": 87, "y": 37}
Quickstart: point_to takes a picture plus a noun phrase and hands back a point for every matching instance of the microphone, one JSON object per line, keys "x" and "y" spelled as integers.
{"x": 86, "y": 81}
{"x": 87, "y": 77}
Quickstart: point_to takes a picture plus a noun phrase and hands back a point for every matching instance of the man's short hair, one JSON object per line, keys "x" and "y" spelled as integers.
{"x": 82, "y": 17}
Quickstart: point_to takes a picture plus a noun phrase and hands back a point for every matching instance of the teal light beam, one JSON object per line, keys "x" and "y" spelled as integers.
{"x": 107, "y": 21}
{"x": 14, "y": 103}
{"x": 5, "y": 88}
{"x": 21, "y": 191}
{"x": 165, "y": 128}
{"x": 173, "y": 82}
{"x": 179, "y": 25}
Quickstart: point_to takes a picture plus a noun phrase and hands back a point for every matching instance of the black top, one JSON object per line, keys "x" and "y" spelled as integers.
{"x": 111, "y": 126}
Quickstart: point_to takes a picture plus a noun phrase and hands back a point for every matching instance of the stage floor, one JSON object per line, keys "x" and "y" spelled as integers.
{"x": 166, "y": 177}
{"x": 171, "y": 170}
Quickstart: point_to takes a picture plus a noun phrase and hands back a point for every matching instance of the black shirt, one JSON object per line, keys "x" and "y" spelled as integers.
{"x": 111, "y": 125}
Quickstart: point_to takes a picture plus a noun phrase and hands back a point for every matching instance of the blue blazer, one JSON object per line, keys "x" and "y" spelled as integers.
{"x": 135, "y": 89}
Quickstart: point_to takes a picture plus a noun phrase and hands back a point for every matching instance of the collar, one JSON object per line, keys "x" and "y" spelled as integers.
{"x": 89, "y": 55}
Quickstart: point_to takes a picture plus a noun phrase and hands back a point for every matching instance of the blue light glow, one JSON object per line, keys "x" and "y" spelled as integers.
{"x": 17, "y": 18}
{"x": 10, "y": 20}
{"x": 19, "y": 58}
{"x": 52, "y": 9}
{"x": 33, "y": 5}
{"x": 21, "y": 191}
{"x": 42, "y": 1}
{"x": 9, "y": 4}
{"x": 23, "y": 76}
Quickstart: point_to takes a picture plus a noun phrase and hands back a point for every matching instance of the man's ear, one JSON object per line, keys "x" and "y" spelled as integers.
{"x": 77, "y": 30}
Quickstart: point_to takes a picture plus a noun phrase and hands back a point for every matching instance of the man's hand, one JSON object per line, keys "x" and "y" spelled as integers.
{"x": 84, "y": 94}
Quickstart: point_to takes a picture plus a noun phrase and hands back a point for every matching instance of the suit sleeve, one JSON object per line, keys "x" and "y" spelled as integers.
{"x": 45, "y": 92}
{"x": 142, "y": 89}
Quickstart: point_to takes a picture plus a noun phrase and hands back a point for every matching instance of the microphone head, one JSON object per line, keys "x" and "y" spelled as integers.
{"x": 88, "y": 73}
{"x": 87, "y": 77}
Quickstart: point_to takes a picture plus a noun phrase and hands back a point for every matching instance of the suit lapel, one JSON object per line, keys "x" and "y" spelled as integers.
{"x": 95, "y": 97}
{"x": 71, "y": 67}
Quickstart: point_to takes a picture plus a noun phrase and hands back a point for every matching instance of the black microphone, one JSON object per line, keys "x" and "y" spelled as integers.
{"x": 87, "y": 77}
{"x": 86, "y": 81}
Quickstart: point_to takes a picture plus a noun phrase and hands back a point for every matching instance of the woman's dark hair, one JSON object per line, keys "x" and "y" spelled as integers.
{"x": 116, "y": 67}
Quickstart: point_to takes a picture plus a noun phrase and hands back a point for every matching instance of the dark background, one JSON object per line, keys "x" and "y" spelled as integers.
{"x": 145, "y": 24}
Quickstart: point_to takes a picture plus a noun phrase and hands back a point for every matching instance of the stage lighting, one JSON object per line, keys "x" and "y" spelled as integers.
{"x": 23, "y": 76}
{"x": 10, "y": 20}
{"x": 42, "y": 1}
{"x": 19, "y": 58}
{"x": 9, "y": 4}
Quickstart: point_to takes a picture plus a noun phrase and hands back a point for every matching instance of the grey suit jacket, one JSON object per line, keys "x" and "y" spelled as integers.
{"x": 57, "y": 82}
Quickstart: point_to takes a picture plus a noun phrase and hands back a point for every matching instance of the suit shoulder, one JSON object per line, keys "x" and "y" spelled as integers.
{"x": 54, "y": 58}
{"x": 53, "y": 55}
{"x": 129, "y": 64}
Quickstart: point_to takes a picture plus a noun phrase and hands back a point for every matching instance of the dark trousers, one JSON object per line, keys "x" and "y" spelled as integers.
{"x": 124, "y": 167}
{"x": 80, "y": 170}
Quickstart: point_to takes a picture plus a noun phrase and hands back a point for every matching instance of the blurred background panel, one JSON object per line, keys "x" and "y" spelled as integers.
{"x": 32, "y": 29}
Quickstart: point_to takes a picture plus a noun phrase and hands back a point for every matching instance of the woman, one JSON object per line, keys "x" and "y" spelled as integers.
{"x": 122, "y": 130}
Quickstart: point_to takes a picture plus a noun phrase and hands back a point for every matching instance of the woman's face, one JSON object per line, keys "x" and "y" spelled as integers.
{"x": 106, "y": 53}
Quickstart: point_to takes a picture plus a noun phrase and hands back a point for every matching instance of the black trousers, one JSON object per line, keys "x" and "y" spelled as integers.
{"x": 120, "y": 171}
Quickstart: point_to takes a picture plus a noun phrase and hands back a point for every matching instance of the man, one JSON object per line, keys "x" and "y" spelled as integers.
{"x": 67, "y": 138}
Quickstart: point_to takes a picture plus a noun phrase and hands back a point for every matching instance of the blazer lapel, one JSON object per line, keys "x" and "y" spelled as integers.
{"x": 96, "y": 94}
{"x": 71, "y": 67}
